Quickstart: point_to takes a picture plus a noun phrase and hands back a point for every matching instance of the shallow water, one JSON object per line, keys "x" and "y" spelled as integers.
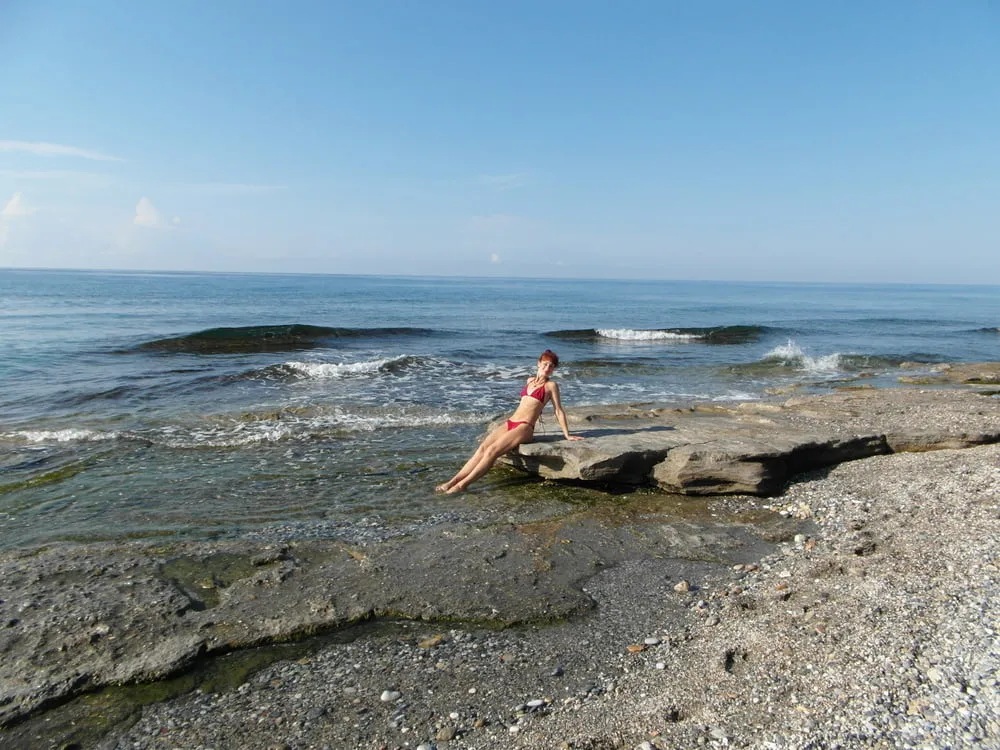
{"x": 105, "y": 437}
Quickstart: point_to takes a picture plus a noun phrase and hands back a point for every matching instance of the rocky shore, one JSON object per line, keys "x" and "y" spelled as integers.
{"x": 855, "y": 608}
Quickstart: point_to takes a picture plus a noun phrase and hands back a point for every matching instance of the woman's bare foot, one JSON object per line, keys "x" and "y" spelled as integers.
{"x": 443, "y": 487}
{"x": 455, "y": 490}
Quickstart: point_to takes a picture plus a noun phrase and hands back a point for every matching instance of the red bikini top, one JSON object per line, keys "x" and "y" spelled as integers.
{"x": 538, "y": 394}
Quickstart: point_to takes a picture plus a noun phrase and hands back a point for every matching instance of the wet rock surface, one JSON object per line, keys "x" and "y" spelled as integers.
{"x": 755, "y": 448}
{"x": 858, "y": 609}
{"x": 877, "y": 628}
{"x": 77, "y": 618}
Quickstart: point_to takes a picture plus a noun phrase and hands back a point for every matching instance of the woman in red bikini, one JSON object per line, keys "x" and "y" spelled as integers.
{"x": 520, "y": 428}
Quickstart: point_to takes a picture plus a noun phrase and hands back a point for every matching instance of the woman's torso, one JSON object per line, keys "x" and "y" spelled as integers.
{"x": 530, "y": 406}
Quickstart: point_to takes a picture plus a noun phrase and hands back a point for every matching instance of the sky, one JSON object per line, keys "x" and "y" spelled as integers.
{"x": 755, "y": 141}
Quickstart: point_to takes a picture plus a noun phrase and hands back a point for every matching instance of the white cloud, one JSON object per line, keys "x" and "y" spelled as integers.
{"x": 16, "y": 207}
{"x": 67, "y": 177}
{"x": 146, "y": 215}
{"x": 504, "y": 181}
{"x": 54, "y": 149}
{"x": 494, "y": 258}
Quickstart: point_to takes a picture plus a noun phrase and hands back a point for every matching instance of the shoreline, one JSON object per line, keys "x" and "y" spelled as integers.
{"x": 848, "y": 587}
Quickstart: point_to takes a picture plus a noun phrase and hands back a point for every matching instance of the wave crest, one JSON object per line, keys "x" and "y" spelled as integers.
{"x": 296, "y": 370}
{"x": 791, "y": 355}
{"x": 739, "y": 334}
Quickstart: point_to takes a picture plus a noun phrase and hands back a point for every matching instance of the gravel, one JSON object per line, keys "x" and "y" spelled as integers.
{"x": 878, "y": 628}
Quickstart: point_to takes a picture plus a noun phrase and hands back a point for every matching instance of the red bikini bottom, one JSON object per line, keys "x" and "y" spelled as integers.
{"x": 512, "y": 425}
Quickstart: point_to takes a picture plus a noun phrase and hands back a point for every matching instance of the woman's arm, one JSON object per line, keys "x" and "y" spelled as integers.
{"x": 560, "y": 414}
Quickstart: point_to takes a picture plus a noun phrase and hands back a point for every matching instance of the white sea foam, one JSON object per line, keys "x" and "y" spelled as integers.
{"x": 630, "y": 334}
{"x": 231, "y": 434}
{"x": 791, "y": 354}
{"x": 62, "y": 436}
{"x": 332, "y": 370}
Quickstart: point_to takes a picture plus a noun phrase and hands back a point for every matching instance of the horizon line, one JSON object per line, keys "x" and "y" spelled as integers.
{"x": 190, "y": 272}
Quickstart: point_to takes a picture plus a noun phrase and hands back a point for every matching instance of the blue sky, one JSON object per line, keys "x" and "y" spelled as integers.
{"x": 809, "y": 141}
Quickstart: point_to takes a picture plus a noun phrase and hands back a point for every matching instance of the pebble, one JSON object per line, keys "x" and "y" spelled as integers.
{"x": 390, "y": 695}
{"x": 652, "y": 642}
{"x": 912, "y": 698}
{"x": 445, "y": 734}
{"x": 683, "y": 587}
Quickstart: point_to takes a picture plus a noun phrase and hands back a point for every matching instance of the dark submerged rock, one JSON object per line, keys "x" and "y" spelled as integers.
{"x": 268, "y": 338}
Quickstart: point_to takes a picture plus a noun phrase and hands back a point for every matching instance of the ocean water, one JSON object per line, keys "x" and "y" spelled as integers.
{"x": 125, "y": 414}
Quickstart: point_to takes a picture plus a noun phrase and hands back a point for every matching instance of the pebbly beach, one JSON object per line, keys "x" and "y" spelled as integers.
{"x": 848, "y": 602}
{"x": 499, "y": 376}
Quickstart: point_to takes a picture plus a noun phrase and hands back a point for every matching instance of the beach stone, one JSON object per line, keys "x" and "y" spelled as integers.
{"x": 972, "y": 373}
{"x": 160, "y": 626}
{"x": 445, "y": 734}
{"x": 388, "y": 696}
{"x": 755, "y": 447}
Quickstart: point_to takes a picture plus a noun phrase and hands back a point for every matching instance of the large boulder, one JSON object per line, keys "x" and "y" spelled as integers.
{"x": 754, "y": 448}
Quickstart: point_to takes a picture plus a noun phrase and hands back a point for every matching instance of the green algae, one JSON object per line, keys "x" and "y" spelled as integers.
{"x": 82, "y": 722}
{"x": 49, "y": 477}
{"x": 202, "y": 578}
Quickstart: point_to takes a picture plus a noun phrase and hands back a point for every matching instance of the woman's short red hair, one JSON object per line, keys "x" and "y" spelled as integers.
{"x": 551, "y": 356}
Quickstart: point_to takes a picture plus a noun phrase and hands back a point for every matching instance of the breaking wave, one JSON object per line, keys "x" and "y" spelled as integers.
{"x": 295, "y": 370}
{"x": 712, "y": 335}
{"x": 791, "y": 355}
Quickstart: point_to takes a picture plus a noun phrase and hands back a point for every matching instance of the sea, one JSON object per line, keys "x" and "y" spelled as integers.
{"x": 210, "y": 406}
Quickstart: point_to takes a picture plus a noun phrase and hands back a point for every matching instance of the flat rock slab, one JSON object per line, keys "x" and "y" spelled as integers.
{"x": 754, "y": 448}
{"x": 76, "y": 618}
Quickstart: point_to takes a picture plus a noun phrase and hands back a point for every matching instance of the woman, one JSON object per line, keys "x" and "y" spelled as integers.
{"x": 520, "y": 428}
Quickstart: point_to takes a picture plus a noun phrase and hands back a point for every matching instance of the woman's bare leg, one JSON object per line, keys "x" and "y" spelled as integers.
{"x": 506, "y": 442}
{"x": 497, "y": 434}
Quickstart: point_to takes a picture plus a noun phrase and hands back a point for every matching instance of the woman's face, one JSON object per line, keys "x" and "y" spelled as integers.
{"x": 545, "y": 368}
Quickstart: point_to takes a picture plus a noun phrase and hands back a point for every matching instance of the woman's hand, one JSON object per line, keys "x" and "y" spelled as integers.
{"x": 573, "y": 437}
